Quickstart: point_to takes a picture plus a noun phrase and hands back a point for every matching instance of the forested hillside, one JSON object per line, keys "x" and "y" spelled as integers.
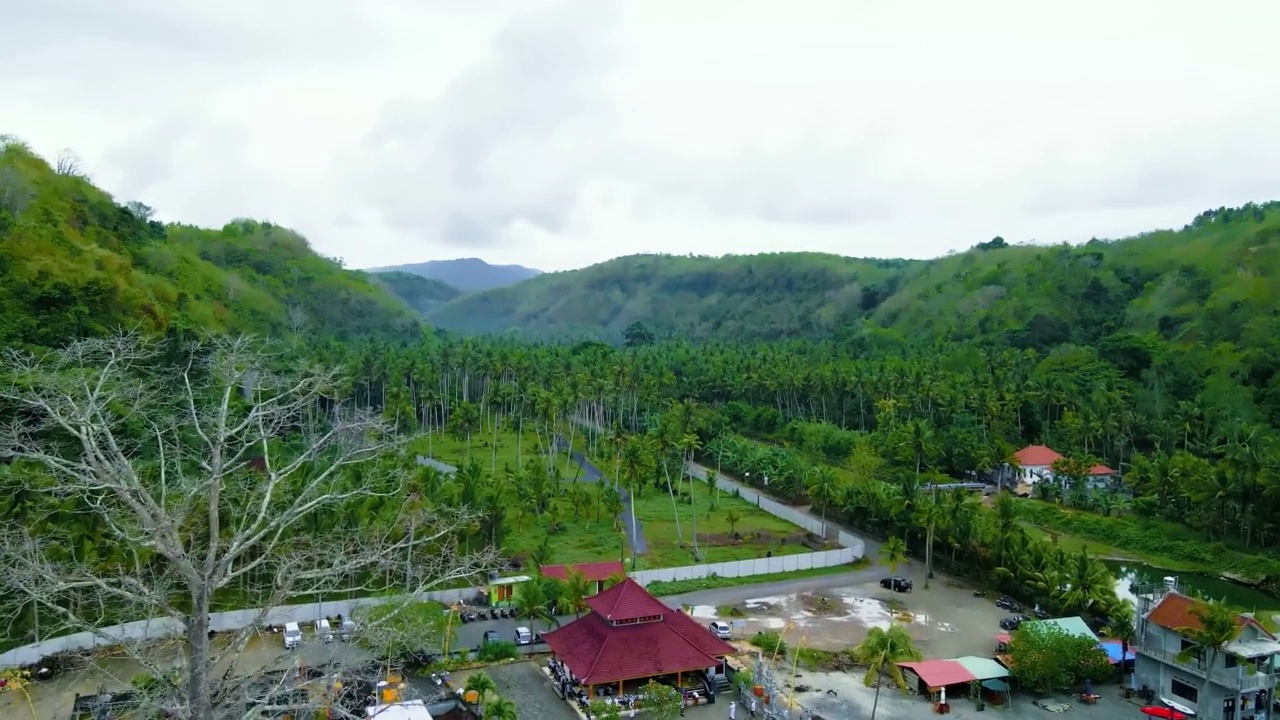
{"x": 770, "y": 296}
{"x": 418, "y": 292}
{"x": 1214, "y": 280}
{"x": 466, "y": 274}
{"x": 74, "y": 263}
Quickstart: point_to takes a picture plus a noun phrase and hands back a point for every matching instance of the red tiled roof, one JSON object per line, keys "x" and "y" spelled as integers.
{"x": 593, "y": 572}
{"x": 628, "y": 600}
{"x": 1101, "y": 470}
{"x": 1036, "y": 455}
{"x": 1174, "y": 611}
{"x": 597, "y": 652}
{"x": 697, "y": 634}
{"x": 940, "y": 673}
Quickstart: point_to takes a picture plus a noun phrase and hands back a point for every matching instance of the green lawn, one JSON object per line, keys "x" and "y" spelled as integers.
{"x": 448, "y": 449}
{"x": 760, "y": 532}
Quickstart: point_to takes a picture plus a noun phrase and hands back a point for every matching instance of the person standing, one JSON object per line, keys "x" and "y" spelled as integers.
{"x": 733, "y": 709}
{"x": 753, "y": 707}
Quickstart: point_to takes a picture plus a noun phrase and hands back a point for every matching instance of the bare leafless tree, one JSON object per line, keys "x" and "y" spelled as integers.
{"x": 140, "y": 210}
{"x": 69, "y": 164}
{"x": 15, "y": 192}
{"x": 297, "y": 318}
{"x": 204, "y": 475}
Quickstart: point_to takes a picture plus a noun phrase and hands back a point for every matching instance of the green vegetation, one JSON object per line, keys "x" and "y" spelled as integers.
{"x": 419, "y": 293}
{"x": 465, "y": 274}
{"x": 881, "y": 651}
{"x": 74, "y": 263}
{"x": 767, "y": 297}
{"x": 1047, "y": 658}
{"x": 662, "y": 588}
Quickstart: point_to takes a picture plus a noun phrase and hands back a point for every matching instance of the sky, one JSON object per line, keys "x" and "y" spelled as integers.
{"x": 559, "y": 134}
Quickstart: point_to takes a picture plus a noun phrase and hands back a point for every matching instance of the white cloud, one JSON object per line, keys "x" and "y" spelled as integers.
{"x": 556, "y": 134}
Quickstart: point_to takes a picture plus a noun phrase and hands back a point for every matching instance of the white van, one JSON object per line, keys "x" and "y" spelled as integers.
{"x": 348, "y": 629}
{"x": 720, "y": 629}
{"x": 524, "y": 636}
{"x": 292, "y": 636}
{"x": 324, "y": 630}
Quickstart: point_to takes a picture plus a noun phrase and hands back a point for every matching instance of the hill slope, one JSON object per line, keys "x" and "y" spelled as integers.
{"x": 417, "y": 292}
{"x": 74, "y": 262}
{"x": 1215, "y": 280}
{"x": 466, "y": 274}
{"x": 752, "y": 296}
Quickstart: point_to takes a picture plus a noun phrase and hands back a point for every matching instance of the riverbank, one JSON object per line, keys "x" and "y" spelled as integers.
{"x": 1151, "y": 542}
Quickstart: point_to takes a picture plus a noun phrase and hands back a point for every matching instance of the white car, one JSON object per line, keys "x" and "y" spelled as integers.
{"x": 292, "y": 636}
{"x": 720, "y": 629}
{"x": 524, "y": 636}
{"x": 324, "y": 630}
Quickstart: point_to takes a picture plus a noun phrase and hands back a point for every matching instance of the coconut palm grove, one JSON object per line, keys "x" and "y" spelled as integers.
{"x": 869, "y": 390}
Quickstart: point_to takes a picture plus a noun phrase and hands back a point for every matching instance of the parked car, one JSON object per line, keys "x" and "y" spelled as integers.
{"x": 348, "y": 629}
{"x": 896, "y": 584}
{"x": 524, "y": 636}
{"x": 1008, "y": 603}
{"x": 1041, "y": 613}
{"x": 490, "y": 636}
{"x": 1013, "y": 622}
{"x": 720, "y": 629}
{"x": 292, "y": 636}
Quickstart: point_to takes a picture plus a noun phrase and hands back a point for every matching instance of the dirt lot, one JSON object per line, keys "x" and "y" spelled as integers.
{"x": 946, "y": 621}
{"x": 528, "y": 688}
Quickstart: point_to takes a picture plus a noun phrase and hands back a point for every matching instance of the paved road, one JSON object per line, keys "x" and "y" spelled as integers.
{"x": 590, "y": 473}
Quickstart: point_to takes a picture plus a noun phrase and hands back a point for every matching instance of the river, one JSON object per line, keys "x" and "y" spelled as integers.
{"x": 1129, "y": 574}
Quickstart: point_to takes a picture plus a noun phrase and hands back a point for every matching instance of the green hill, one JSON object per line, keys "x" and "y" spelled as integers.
{"x": 750, "y": 296}
{"x": 466, "y": 274}
{"x": 74, "y": 262}
{"x": 1214, "y": 280}
{"x": 419, "y": 293}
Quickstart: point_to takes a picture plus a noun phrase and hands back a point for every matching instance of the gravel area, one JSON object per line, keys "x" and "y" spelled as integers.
{"x": 524, "y": 683}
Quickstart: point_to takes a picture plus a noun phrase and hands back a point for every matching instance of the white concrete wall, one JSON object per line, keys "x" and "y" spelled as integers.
{"x": 157, "y": 628}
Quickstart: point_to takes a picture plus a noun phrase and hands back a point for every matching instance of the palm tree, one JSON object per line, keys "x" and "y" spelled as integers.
{"x": 1121, "y": 626}
{"x": 501, "y": 708}
{"x": 929, "y": 513}
{"x": 1089, "y": 581}
{"x": 892, "y": 552}
{"x": 482, "y": 685}
{"x": 733, "y": 517}
{"x": 532, "y": 605}
{"x": 576, "y": 590}
{"x": 823, "y": 489}
{"x": 1214, "y": 629}
{"x": 881, "y": 651}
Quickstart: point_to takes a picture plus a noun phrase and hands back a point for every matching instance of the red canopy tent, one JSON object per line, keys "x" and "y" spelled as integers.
{"x": 940, "y": 673}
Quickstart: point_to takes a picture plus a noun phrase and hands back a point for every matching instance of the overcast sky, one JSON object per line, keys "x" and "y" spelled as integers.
{"x": 556, "y": 134}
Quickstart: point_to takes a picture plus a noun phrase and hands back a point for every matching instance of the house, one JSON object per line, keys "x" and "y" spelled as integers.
{"x": 1035, "y": 463}
{"x": 1102, "y": 477}
{"x": 629, "y": 637}
{"x": 1239, "y": 683}
{"x": 597, "y": 574}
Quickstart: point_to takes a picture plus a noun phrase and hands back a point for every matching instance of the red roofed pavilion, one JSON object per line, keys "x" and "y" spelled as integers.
{"x": 630, "y": 635}
{"x": 596, "y": 574}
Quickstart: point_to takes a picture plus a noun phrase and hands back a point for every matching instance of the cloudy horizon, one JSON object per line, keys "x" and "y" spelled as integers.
{"x": 555, "y": 134}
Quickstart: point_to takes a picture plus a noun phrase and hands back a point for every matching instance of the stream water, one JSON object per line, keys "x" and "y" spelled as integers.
{"x": 1130, "y": 576}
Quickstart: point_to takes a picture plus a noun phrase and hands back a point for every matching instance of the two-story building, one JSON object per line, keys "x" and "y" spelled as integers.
{"x": 1240, "y": 683}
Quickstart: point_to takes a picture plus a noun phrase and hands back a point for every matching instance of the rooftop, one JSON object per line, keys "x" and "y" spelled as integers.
{"x": 1176, "y": 612}
{"x": 627, "y": 601}
{"x": 1071, "y": 626}
{"x": 1033, "y": 455}
{"x": 598, "y": 652}
{"x": 410, "y": 710}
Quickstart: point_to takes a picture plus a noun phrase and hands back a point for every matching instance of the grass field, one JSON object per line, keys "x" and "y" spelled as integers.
{"x": 759, "y": 532}
{"x": 585, "y": 533}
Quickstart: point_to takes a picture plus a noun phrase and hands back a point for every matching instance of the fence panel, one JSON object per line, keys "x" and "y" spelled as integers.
{"x": 233, "y": 620}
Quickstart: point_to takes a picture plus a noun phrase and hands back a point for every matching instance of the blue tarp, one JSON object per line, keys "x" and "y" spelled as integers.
{"x": 1113, "y": 648}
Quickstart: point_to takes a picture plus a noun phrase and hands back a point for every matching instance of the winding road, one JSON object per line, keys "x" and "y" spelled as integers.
{"x": 590, "y": 473}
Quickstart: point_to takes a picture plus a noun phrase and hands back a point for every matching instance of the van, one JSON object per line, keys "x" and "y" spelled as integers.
{"x": 348, "y": 629}
{"x": 292, "y": 636}
{"x": 720, "y": 629}
{"x": 324, "y": 630}
{"x": 524, "y": 636}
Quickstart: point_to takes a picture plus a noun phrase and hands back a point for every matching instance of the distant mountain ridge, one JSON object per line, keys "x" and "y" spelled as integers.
{"x": 466, "y": 274}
